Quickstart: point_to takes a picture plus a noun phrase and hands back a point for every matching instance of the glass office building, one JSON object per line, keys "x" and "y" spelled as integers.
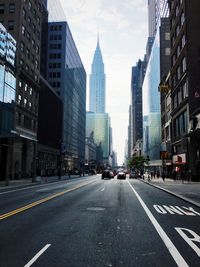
{"x": 151, "y": 104}
{"x": 99, "y": 123}
{"x": 7, "y": 82}
{"x": 67, "y": 76}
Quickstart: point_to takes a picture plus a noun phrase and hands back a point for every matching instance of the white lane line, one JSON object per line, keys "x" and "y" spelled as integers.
{"x": 168, "y": 243}
{"x": 37, "y": 255}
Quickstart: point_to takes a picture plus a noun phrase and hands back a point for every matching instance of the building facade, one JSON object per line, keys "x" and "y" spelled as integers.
{"x": 136, "y": 103}
{"x": 185, "y": 85}
{"x": 151, "y": 105}
{"x": 22, "y": 19}
{"x": 66, "y": 75}
{"x": 99, "y": 124}
{"x": 7, "y": 100}
{"x": 97, "y": 83}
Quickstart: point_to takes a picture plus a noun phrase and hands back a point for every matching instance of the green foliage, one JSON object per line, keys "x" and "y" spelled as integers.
{"x": 137, "y": 162}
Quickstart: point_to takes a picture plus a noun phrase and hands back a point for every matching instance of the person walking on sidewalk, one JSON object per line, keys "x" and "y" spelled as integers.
{"x": 163, "y": 176}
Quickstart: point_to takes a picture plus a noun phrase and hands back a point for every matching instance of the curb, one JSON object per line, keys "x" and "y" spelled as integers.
{"x": 173, "y": 194}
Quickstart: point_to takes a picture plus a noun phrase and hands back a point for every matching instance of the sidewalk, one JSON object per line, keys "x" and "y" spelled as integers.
{"x": 189, "y": 191}
{"x": 28, "y": 182}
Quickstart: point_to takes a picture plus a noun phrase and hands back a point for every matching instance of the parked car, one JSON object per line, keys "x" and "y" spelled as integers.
{"x": 121, "y": 175}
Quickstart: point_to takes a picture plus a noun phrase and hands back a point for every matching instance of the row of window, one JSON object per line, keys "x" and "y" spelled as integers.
{"x": 24, "y": 102}
{"x": 54, "y": 55}
{"x": 178, "y": 50}
{"x": 55, "y": 46}
{"x": 32, "y": 40}
{"x": 179, "y": 71}
{"x": 55, "y": 37}
{"x": 29, "y": 20}
{"x": 26, "y": 88}
{"x": 11, "y": 8}
{"x": 54, "y": 65}
{"x": 28, "y": 69}
{"x": 55, "y": 28}
{"x": 55, "y": 84}
{"x": 29, "y": 55}
{"x": 33, "y": 10}
{"x": 180, "y": 94}
{"x": 26, "y": 122}
{"x": 180, "y": 124}
{"x": 54, "y": 74}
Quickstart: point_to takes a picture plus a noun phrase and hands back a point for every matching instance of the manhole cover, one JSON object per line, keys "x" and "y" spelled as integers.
{"x": 96, "y": 209}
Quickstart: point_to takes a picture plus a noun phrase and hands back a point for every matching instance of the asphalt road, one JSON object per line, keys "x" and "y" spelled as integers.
{"x": 93, "y": 222}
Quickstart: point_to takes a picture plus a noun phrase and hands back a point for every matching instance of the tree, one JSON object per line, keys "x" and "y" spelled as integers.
{"x": 137, "y": 162}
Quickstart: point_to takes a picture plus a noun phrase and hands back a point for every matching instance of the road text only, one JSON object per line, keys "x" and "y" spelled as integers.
{"x": 164, "y": 209}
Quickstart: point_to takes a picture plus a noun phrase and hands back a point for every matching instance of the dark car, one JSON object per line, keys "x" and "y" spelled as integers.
{"x": 106, "y": 174}
{"x": 121, "y": 175}
{"x": 133, "y": 174}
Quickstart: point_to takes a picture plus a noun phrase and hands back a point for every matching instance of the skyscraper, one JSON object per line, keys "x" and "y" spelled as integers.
{"x": 97, "y": 83}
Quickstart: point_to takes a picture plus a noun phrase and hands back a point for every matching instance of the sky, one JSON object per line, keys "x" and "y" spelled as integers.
{"x": 122, "y": 27}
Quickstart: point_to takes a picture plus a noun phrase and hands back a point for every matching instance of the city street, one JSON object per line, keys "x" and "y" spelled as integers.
{"x": 88, "y": 221}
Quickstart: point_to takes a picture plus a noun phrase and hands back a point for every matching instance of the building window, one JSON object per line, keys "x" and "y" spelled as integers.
{"x": 19, "y": 99}
{"x": 184, "y": 64}
{"x": 167, "y": 36}
{"x": 179, "y": 95}
{"x": 182, "y": 18}
{"x": 33, "y": 43}
{"x": 28, "y": 36}
{"x": 185, "y": 90}
{"x": 34, "y": 28}
{"x": 38, "y": 20}
{"x": 2, "y": 8}
{"x": 31, "y": 91}
{"x": 25, "y": 87}
{"x": 29, "y": 21}
{"x": 22, "y": 47}
{"x": 23, "y": 30}
{"x": 179, "y": 72}
{"x": 183, "y": 41}
{"x": 11, "y": 25}
{"x": 20, "y": 83}
{"x": 167, "y": 51}
{"x": 21, "y": 62}
{"x": 175, "y": 101}
{"x": 25, "y": 102}
{"x": 11, "y": 8}
{"x": 29, "y": 5}
{"x": 36, "y": 64}
{"x": 24, "y": 13}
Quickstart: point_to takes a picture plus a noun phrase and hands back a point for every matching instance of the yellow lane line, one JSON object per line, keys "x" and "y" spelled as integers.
{"x": 13, "y": 212}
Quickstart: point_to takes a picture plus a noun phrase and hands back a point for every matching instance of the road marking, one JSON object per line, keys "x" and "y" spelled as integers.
{"x": 102, "y": 189}
{"x": 163, "y": 209}
{"x": 36, "y": 203}
{"x": 37, "y": 255}
{"x": 168, "y": 243}
{"x": 191, "y": 238}
{"x": 32, "y": 186}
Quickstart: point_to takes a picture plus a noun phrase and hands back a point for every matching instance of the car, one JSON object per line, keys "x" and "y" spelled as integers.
{"x": 121, "y": 175}
{"x": 106, "y": 174}
{"x": 112, "y": 174}
{"x": 133, "y": 174}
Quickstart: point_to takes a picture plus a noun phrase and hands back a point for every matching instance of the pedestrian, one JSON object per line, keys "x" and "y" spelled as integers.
{"x": 183, "y": 176}
{"x": 69, "y": 173}
{"x": 158, "y": 174}
{"x": 174, "y": 174}
{"x": 163, "y": 176}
